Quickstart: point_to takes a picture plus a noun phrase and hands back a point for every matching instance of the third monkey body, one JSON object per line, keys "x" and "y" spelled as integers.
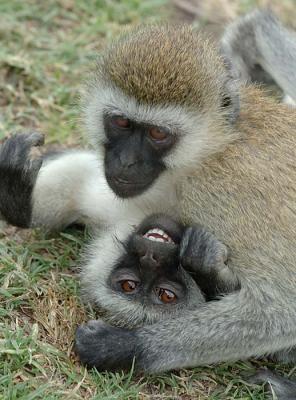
{"x": 261, "y": 48}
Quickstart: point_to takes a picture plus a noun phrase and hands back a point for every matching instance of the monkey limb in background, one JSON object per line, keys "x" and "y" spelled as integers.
{"x": 174, "y": 132}
{"x": 260, "y": 48}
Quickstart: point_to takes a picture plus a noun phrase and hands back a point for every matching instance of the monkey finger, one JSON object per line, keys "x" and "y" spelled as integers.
{"x": 185, "y": 241}
{"x": 32, "y": 167}
{"x": 216, "y": 252}
{"x": 34, "y": 138}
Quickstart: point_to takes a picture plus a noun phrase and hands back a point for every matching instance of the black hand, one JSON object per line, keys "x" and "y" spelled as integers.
{"x": 105, "y": 347}
{"x": 18, "y": 174}
{"x": 204, "y": 255}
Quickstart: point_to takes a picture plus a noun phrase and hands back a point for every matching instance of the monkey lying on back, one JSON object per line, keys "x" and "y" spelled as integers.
{"x": 164, "y": 268}
{"x": 174, "y": 132}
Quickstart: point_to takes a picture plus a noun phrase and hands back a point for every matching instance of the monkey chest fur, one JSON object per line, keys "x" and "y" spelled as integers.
{"x": 247, "y": 198}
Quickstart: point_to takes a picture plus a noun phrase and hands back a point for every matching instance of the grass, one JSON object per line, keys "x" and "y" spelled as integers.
{"x": 46, "y": 50}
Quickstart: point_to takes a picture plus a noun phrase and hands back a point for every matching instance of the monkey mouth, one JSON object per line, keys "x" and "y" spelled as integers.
{"x": 158, "y": 235}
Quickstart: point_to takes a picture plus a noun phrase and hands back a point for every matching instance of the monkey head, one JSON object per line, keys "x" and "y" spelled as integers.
{"x": 161, "y": 100}
{"x": 147, "y": 282}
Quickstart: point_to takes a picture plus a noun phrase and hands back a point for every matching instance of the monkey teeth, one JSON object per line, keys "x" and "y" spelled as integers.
{"x": 158, "y": 235}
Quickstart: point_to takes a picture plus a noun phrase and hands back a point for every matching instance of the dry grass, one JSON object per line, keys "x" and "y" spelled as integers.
{"x": 46, "y": 50}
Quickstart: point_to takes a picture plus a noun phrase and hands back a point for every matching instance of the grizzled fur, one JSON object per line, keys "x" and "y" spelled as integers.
{"x": 169, "y": 73}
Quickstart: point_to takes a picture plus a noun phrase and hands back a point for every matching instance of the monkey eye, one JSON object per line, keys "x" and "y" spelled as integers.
{"x": 129, "y": 286}
{"x": 121, "y": 122}
{"x": 158, "y": 134}
{"x": 166, "y": 296}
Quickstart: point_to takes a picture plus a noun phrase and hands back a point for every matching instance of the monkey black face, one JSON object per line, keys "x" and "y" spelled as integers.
{"x": 133, "y": 154}
{"x": 150, "y": 271}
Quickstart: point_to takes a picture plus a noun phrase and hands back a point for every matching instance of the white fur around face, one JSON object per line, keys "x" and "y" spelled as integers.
{"x": 192, "y": 129}
{"x": 101, "y": 257}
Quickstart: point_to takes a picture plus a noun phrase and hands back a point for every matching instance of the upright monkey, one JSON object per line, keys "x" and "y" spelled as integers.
{"x": 175, "y": 132}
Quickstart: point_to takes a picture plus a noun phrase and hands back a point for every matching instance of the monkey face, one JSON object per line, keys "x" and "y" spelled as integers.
{"x": 133, "y": 154}
{"x": 161, "y": 101}
{"x": 150, "y": 273}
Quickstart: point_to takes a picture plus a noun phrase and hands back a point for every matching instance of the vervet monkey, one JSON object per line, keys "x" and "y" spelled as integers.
{"x": 261, "y": 48}
{"x": 174, "y": 132}
{"x": 163, "y": 268}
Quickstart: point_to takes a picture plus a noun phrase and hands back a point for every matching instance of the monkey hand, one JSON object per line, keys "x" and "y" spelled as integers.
{"x": 105, "y": 347}
{"x": 204, "y": 255}
{"x": 201, "y": 251}
{"x": 18, "y": 174}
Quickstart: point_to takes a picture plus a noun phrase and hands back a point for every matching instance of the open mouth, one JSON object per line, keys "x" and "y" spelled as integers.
{"x": 158, "y": 235}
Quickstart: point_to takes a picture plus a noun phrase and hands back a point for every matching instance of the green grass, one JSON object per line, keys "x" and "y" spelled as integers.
{"x": 46, "y": 50}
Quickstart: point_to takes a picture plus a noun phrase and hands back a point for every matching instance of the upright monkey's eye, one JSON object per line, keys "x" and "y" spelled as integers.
{"x": 166, "y": 296}
{"x": 129, "y": 286}
{"x": 158, "y": 134}
{"x": 121, "y": 122}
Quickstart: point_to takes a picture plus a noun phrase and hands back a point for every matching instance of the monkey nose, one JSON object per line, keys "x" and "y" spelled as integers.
{"x": 149, "y": 260}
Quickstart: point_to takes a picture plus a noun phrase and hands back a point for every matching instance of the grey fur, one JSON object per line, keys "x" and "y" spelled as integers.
{"x": 261, "y": 48}
{"x": 283, "y": 388}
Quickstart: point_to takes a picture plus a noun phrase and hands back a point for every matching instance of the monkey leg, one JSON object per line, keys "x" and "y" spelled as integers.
{"x": 286, "y": 356}
{"x": 283, "y": 388}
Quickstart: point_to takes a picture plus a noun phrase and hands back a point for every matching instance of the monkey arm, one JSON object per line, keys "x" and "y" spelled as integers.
{"x": 250, "y": 322}
{"x": 55, "y": 190}
{"x": 240, "y": 325}
{"x": 70, "y": 188}
{"x": 259, "y": 39}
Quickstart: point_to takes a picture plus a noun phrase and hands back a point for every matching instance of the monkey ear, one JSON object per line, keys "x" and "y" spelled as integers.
{"x": 231, "y": 91}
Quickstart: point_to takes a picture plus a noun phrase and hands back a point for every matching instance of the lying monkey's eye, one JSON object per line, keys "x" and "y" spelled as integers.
{"x": 166, "y": 296}
{"x": 158, "y": 134}
{"x": 121, "y": 122}
{"x": 129, "y": 286}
